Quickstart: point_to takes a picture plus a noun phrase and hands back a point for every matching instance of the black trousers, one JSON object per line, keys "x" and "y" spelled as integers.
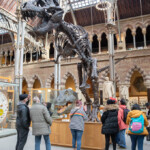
{"x": 113, "y": 138}
{"x": 22, "y": 135}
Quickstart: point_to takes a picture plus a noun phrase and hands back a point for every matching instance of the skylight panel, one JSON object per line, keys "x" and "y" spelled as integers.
{"x": 78, "y": 4}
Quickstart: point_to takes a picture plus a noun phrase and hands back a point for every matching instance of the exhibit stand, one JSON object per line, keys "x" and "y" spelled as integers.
{"x": 91, "y": 139}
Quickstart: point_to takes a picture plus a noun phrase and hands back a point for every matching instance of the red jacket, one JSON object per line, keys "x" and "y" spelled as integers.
{"x": 121, "y": 123}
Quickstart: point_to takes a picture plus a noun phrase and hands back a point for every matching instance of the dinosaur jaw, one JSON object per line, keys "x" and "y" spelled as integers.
{"x": 30, "y": 10}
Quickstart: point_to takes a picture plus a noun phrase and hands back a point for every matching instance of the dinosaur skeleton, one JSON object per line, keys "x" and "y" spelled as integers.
{"x": 69, "y": 41}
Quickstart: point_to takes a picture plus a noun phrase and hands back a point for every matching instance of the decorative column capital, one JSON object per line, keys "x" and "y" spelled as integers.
{"x": 144, "y": 31}
{"x": 11, "y": 53}
{"x": 133, "y": 32}
{"x": 99, "y": 38}
{"x": 147, "y": 84}
{"x": 123, "y": 84}
{"x": 6, "y": 53}
{"x": 91, "y": 38}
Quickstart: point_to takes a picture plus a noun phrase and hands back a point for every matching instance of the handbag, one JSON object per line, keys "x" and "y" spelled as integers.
{"x": 148, "y": 136}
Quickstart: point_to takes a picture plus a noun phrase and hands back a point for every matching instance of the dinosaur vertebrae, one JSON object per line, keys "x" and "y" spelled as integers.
{"x": 79, "y": 40}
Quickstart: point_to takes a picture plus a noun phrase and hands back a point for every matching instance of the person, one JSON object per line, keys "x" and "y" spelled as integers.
{"x": 110, "y": 122}
{"x": 77, "y": 116}
{"x": 148, "y": 118}
{"x": 136, "y": 113}
{"x": 148, "y": 108}
{"x": 41, "y": 122}
{"x": 49, "y": 108}
{"x": 122, "y": 124}
{"x": 22, "y": 121}
{"x": 108, "y": 89}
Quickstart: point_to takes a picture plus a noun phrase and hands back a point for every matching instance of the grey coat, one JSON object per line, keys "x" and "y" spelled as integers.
{"x": 78, "y": 116}
{"x": 41, "y": 120}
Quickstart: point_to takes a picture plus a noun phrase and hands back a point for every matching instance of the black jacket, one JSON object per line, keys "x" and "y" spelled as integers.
{"x": 23, "y": 116}
{"x": 110, "y": 119}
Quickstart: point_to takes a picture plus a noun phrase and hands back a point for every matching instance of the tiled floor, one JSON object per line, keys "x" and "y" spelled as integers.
{"x": 8, "y": 143}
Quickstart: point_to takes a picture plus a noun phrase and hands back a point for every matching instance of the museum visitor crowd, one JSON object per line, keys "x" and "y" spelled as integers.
{"x": 116, "y": 120}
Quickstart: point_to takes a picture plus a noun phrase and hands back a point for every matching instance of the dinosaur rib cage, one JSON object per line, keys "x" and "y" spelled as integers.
{"x": 72, "y": 39}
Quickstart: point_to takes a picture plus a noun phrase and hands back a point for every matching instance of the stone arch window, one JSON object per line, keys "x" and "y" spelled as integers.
{"x": 36, "y": 84}
{"x": 52, "y": 84}
{"x": 139, "y": 37}
{"x": 25, "y": 87}
{"x": 129, "y": 39}
{"x": 70, "y": 84}
{"x": 115, "y": 42}
{"x": 28, "y": 56}
{"x": 104, "y": 43}
{"x": 51, "y": 51}
{"x": 95, "y": 44}
{"x": 148, "y": 35}
{"x": 137, "y": 88}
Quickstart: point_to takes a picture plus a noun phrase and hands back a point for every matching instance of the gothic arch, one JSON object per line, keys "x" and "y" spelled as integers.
{"x": 139, "y": 24}
{"x": 68, "y": 74}
{"x": 147, "y": 23}
{"x": 49, "y": 80}
{"x": 31, "y": 82}
{"x": 131, "y": 71}
{"x": 105, "y": 74}
{"x": 25, "y": 78}
{"x": 127, "y": 26}
{"x": 103, "y": 31}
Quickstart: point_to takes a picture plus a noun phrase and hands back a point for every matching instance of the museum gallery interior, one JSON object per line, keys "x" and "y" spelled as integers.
{"x": 81, "y": 49}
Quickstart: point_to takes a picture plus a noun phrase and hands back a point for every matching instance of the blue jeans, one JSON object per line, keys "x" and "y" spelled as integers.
{"x": 76, "y": 137}
{"x": 38, "y": 142}
{"x": 121, "y": 141}
{"x": 135, "y": 139}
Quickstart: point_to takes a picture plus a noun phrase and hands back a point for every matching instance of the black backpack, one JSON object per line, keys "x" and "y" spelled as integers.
{"x": 126, "y": 111}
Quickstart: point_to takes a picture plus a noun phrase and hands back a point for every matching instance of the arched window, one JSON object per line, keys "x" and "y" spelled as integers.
{"x": 25, "y": 87}
{"x": 115, "y": 42}
{"x": 51, "y": 52}
{"x": 104, "y": 43}
{"x": 137, "y": 88}
{"x": 95, "y": 44}
{"x": 36, "y": 84}
{"x": 129, "y": 39}
{"x": 28, "y": 56}
{"x": 70, "y": 84}
{"x": 148, "y": 35}
{"x": 139, "y": 37}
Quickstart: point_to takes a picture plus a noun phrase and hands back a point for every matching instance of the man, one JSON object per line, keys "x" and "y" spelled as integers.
{"x": 22, "y": 121}
{"x": 41, "y": 122}
{"x": 122, "y": 123}
{"x": 148, "y": 112}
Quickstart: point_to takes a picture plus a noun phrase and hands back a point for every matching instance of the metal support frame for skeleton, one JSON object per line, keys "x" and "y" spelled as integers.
{"x": 69, "y": 40}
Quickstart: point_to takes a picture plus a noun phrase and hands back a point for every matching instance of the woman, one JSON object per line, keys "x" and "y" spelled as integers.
{"x": 77, "y": 117}
{"x": 110, "y": 122}
{"x": 122, "y": 115}
{"x": 137, "y": 137}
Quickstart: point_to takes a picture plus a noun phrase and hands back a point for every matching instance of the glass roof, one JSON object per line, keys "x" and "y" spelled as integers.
{"x": 77, "y": 4}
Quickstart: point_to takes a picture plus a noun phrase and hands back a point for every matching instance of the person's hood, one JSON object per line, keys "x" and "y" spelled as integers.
{"x": 135, "y": 113}
{"x": 111, "y": 107}
{"x": 123, "y": 106}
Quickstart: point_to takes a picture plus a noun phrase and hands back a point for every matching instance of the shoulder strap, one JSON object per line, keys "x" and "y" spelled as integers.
{"x": 74, "y": 113}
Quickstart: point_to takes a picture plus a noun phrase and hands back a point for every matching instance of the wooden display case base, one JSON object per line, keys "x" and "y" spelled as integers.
{"x": 91, "y": 139}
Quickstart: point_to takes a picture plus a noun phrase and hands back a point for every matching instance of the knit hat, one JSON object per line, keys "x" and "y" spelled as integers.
{"x": 111, "y": 101}
{"x": 23, "y": 96}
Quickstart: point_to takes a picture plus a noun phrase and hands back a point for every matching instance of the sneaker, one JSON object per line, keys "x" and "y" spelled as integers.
{"x": 120, "y": 147}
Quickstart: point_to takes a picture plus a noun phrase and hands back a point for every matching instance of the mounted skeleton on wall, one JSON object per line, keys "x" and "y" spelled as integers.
{"x": 69, "y": 41}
